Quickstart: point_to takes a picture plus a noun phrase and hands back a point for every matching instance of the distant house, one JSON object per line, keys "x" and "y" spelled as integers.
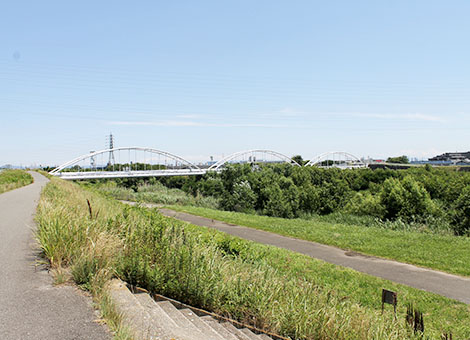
{"x": 454, "y": 157}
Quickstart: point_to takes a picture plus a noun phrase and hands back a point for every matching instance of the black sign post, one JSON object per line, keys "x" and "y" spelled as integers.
{"x": 390, "y": 298}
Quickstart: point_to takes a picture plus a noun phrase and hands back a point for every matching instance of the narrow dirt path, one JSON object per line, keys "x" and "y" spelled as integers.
{"x": 30, "y": 306}
{"x": 448, "y": 285}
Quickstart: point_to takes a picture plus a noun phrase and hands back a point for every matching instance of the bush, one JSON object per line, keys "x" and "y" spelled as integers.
{"x": 241, "y": 199}
{"x": 333, "y": 196}
{"x": 365, "y": 204}
{"x": 398, "y": 160}
{"x": 83, "y": 270}
{"x": 406, "y": 198}
{"x": 277, "y": 204}
{"x": 462, "y": 213}
{"x": 423, "y": 196}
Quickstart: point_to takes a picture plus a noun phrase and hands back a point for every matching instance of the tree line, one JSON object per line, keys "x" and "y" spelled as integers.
{"x": 280, "y": 190}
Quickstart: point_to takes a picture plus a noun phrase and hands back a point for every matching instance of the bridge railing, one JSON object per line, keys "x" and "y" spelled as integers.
{"x": 147, "y": 162}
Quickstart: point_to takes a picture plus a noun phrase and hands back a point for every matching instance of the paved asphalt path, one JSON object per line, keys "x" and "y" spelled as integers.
{"x": 451, "y": 286}
{"x": 30, "y": 306}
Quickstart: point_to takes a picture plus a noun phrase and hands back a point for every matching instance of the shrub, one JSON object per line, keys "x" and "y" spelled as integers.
{"x": 364, "y": 203}
{"x": 400, "y": 160}
{"x": 241, "y": 198}
{"x": 406, "y": 198}
{"x": 276, "y": 204}
{"x": 462, "y": 213}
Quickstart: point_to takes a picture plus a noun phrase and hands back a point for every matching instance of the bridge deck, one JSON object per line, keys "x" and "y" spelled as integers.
{"x": 124, "y": 174}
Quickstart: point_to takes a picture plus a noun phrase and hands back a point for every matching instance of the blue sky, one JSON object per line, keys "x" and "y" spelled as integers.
{"x": 201, "y": 78}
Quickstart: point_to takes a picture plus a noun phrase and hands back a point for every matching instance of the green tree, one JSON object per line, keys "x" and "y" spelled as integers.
{"x": 407, "y": 199}
{"x": 241, "y": 199}
{"x": 462, "y": 213}
{"x": 276, "y": 204}
{"x": 364, "y": 203}
{"x": 309, "y": 198}
{"x": 211, "y": 185}
{"x": 400, "y": 160}
{"x": 298, "y": 159}
{"x": 333, "y": 196}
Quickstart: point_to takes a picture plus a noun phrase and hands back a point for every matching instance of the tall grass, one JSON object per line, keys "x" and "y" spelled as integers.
{"x": 431, "y": 225}
{"x": 441, "y": 252}
{"x": 157, "y": 193}
{"x": 160, "y": 194}
{"x": 270, "y": 288}
{"x": 12, "y": 179}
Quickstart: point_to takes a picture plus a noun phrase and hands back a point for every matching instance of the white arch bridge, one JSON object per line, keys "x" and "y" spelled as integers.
{"x": 337, "y": 159}
{"x": 148, "y": 162}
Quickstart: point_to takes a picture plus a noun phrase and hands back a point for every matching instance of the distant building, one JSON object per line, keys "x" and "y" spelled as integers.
{"x": 454, "y": 157}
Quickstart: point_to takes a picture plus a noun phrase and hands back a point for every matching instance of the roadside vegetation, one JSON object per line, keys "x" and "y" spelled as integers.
{"x": 419, "y": 216}
{"x": 441, "y": 252}
{"x": 12, "y": 179}
{"x": 280, "y": 291}
{"x": 425, "y": 199}
{"x": 153, "y": 192}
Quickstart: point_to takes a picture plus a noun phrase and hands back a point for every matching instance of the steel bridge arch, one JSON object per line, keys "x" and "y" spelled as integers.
{"x": 227, "y": 159}
{"x": 355, "y": 162}
{"x": 74, "y": 161}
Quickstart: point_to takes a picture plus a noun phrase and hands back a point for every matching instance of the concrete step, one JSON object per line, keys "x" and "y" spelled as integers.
{"x": 239, "y": 333}
{"x": 201, "y": 325}
{"x": 264, "y": 337}
{"x": 219, "y": 328}
{"x": 133, "y": 313}
{"x": 148, "y": 319}
{"x": 252, "y": 335}
{"x": 181, "y": 321}
{"x": 160, "y": 320}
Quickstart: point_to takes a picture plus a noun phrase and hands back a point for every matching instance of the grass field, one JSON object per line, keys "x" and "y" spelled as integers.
{"x": 272, "y": 288}
{"x": 155, "y": 193}
{"x": 446, "y": 253}
{"x": 12, "y": 179}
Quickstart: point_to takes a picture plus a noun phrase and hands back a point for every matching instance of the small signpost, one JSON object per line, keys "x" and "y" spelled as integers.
{"x": 391, "y": 298}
